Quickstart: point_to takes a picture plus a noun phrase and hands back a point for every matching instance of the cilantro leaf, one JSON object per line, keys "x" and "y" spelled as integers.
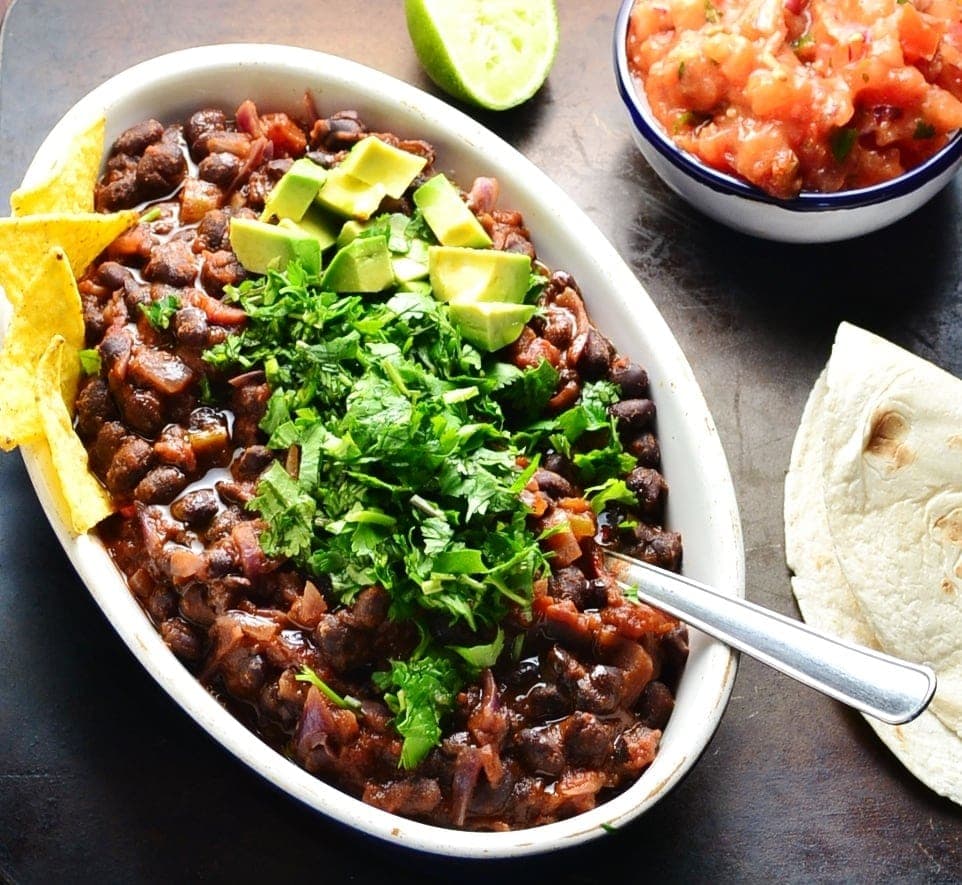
{"x": 419, "y": 693}
{"x": 159, "y": 313}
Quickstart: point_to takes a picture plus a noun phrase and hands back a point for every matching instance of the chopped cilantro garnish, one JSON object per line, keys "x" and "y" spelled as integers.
{"x": 923, "y": 130}
{"x": 90, "y": 361}
{"x": 413, "y": 450}
{"x": 306, "y": 674}
{"x": 711, "y": 13}
{"x": 159, "y": 313}
{"x": 419, "y": 693}
{"x": 842, "y": 141}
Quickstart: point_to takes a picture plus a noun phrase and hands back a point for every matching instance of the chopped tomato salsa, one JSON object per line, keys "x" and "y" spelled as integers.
{"x": 793, "y": 95}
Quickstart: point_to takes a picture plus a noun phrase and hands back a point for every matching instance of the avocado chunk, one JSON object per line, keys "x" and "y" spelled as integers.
{"x": 319, "y": 224}
{"x": 260, "y": 246}
{"x": 422, "y": 287}
{"x": 350, "y": 230}
{"x": 345, "y": 195}
{"x": 376, "y": 162}
{"x": 363, "y": 265}
{"x": 490, "y": 325}
{"x": 294, "y": 193}
{"x": 413, "y": 264}
{"x": 451, "y": 221}
{"x": 461, "y": 274}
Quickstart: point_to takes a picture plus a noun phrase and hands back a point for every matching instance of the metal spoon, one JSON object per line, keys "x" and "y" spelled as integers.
{"x": 887, "y": 688}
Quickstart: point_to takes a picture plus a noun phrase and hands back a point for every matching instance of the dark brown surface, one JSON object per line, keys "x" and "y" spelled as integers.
{"x": 103, "y": 778}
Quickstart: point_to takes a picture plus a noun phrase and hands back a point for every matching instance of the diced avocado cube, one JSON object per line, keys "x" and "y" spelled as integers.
{"x": 490, "y": 325}
{"x": 375, "y": 162}
{"x": 319, "y": 224}
{"x": 348, "y": 196}
{"x": 451, "y": 221}
{"x": 260, "y": 246}
{"x": 461, "y": 274}
{"x": 422, "y": 287}
{"x": 350, "y": 230}
{"x": 294, "y": 193}
{"x": 363, "y": 265}
{"x": 406, "y": 269}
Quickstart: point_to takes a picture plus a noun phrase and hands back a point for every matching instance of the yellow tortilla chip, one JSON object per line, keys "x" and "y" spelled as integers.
{"x": 50, "y": 304}
{"x": 70, "y": 185}
{"x": 87, "y": 502}
{"x": 25, "y": 241}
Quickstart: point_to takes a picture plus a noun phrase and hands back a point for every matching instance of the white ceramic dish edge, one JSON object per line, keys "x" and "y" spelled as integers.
{"x": 702, "y": 504}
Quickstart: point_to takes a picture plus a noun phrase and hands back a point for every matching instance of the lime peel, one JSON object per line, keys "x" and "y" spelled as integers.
{"x": 492, "y": 53}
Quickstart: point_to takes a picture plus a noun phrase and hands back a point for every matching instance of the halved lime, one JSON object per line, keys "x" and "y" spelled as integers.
{"x": 493, "y": 53}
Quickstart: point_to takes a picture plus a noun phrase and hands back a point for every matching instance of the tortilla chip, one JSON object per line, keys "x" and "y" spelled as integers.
{"x": 823, "y": 547}
{"x": 87, "y": 502}
{"x": 25, "y": 241}
{"x": 70, "y": 185}
{"x": 50, "y": 304}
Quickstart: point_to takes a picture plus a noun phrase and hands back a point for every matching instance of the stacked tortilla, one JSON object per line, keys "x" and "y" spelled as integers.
{"x": 873, "y": 528}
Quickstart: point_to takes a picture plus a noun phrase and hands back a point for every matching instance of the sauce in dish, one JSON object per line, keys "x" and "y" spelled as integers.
{"x": 805, "y": 95}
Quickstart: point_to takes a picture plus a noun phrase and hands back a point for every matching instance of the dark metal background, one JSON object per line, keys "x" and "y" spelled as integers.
{"x": 103, "y": 778}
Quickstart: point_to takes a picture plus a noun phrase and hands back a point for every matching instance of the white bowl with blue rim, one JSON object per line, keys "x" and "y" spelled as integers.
{"x": 808, "y": 218}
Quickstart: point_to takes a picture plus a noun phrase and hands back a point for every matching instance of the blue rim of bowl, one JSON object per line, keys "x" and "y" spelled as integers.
{"x": 721, "y": 182}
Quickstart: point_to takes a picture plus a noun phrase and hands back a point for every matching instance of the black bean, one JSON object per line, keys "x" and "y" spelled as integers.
{"x": 160, "y": 486}
{"x": 135, "y": 140}
{"x": 650, "y": 489}
{"x": 182, "y": 639}
{"x": 190, "y": 326}
{"x": 655, "y": 705}
{"x": 250, "y": 463}
{"x": 219, "y": 168}
{"x": 646, "y": 449}
{"x": 160, "y": 170}
{"x": 569, "y": 583}
{"x": 596, "y": 356}
{"x": 634, "y": 414}
{"x": 129, "y": 464}
{"x": 94, "y": 406}
{"x": 201, "y": 124}
{"x": 553, "y": 484}
{"x": 140, "y": 410}
{"x": 173, "y": 263}
{"x": 630, "y": 377}
{"x": 195, "y": 509}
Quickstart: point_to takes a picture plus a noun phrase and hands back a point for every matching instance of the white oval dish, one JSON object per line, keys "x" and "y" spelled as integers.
{"x": 809, "y": 217}
{"x": 702, "y": 504}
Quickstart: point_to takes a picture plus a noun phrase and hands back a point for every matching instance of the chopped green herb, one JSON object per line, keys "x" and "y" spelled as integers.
{"x": 150, "y": 215}
{"x": 419, "y": 693}
{"x": 807, "y": 39}
{"x": 90, "y": 361}
{"x": 346, "y": 702}
{"x": 842, "y": 141}
{"x": 711, "y": 13}
{"x": 414, "y": 449}
{"x": 923, "y": 130}
{"x": 681, "y": 69}
{"x": 159, "y": 313}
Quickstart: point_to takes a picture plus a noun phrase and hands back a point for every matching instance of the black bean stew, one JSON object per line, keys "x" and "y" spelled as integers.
{"x": 572, "y": 711}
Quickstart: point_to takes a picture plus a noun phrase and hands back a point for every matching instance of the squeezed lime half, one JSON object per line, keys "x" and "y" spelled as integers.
{"x": 492, "y": 53}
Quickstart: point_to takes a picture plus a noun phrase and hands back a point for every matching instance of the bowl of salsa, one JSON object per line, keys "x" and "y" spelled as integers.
{"x": 768, "y": 115}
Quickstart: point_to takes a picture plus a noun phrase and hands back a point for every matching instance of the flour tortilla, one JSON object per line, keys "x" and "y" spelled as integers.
{"x": 861, "y": 505}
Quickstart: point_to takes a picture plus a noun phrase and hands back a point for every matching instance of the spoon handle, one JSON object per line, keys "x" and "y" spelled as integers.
{"x": 887, "y": 688}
